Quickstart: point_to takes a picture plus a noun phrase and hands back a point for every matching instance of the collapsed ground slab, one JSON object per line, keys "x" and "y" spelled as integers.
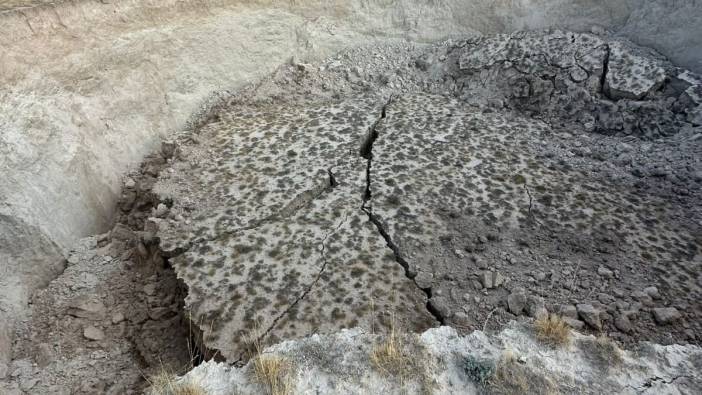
{"x": 475, "y": 205}
{"x": 276, "y": 244}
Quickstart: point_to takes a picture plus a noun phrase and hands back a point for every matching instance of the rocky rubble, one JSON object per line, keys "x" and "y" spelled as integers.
{"x": 113, "y": 319}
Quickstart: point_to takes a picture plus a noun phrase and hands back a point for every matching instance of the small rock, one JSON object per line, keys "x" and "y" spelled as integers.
{"x": 93, "y": 333}
{"x": 129, "y": 183}
{"x": 117, "y": 318}
{"x": 590, "y": 315}
{"x": 516, "y": 302}
{"x": 86, "y": 308}
{"x": 604, "y": 272}
{"x": 168, "y": 149}
{"x": 623, "y": 323}
{"x": 666, "y": 315}
{"x": 568, "y": 310}
{"x": 161, "y": 211}
{"x": 642, "y": 297}
{"x": 536, "y": 307}
{"x": 461, "y": 318}
{"x": 440, "y": 305}
{"x": 652, "y": 292}
{"x": 573, "y": 323}
{"x": 486, "y": 280}
{"x": 424, "y": 280}
{"x": 150, "y": 289}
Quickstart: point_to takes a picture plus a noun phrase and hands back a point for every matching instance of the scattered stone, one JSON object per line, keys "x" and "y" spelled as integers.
{"x": 486, "y": 280}
{"x": 168, "y": 149}
{"x": 623, "y": 323}
{"x": 93, "y": 333}
{"x": 150, "y": 289}
{"x": 573, "y": 323}
{"x": 424, "y": 280}
{"x": 440, "y": 305}
{"x": 117, "y": 318}
{"x": 604, "y": 272}
{"x": 516, "y": 302}
{"x": 652, "y": 292}
{"x": 642, "y": 297}
{"x": 536, "y": 307}
{"x": 161, "y": 211}
{"x": 666, "y": 315}
{"x": 86, "y": 308}
{"x": 568, "y": 310}
{"x": 590, "y": 315}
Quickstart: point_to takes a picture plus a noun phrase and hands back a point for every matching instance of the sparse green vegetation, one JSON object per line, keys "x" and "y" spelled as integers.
{"x": 479, "y": 371}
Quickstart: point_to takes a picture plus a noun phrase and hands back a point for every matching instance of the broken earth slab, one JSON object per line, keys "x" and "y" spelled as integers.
{"x": 278, "y": 246}
{"x": 253, "y": 172}
{"x": 511, "y": 361}
{"x": 576, "y": 80}
{"x": 467, "y": 190}
{"x": 630, "y": 75}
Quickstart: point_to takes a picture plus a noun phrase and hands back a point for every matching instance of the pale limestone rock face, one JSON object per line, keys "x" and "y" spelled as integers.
{"x": 453, "y": 364}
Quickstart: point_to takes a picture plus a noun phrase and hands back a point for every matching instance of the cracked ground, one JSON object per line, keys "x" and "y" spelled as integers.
{"x": 482, "y": 170}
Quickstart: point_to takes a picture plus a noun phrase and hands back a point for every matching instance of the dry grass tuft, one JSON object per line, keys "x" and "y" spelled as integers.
{"x": 552, "y": 330}
{"x": 273, "y": 372}
{"x": 512, "y": 377}
{"x": 390, "y": 356}
{"x": 402, "y": 357}
{"x": 165, "y": 383}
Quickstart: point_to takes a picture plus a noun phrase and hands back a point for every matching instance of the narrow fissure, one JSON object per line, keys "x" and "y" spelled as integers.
{"x": 304, "y": 293}
{"x": 366, "y": 152}
{"x": 293, "y": 207}
{"x": 605, "y": 71}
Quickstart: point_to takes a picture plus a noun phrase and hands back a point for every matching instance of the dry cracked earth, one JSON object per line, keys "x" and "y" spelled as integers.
{"x": 465, "y": 183}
